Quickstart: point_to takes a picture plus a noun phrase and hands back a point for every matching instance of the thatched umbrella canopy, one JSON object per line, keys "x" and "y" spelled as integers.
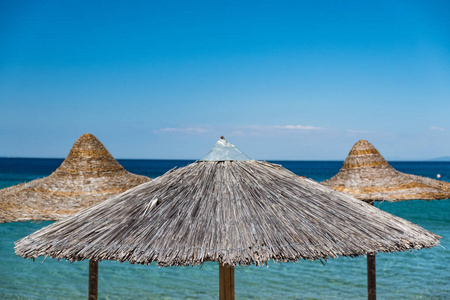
{"x": 235, "y": 211}
{"x": 88, "y": 175}
{"x": 368, "y": 176}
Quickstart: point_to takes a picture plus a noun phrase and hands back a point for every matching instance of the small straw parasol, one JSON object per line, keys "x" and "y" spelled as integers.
{"x": 367, "y": 176}
{"x": 229, "y": 209}
{"x": 88, "y": 175}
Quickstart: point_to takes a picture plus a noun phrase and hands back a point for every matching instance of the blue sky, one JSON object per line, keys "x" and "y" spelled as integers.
{"x": 297, "y": 80}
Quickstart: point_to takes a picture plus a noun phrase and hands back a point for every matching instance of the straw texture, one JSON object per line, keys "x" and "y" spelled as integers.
{"x": 87, "y": 176}
{"x": 369, "y": 177}
{"x": 234, "y": 212}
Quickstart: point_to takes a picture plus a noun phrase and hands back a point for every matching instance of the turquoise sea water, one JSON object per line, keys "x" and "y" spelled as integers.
{"x": 423, "y": 274}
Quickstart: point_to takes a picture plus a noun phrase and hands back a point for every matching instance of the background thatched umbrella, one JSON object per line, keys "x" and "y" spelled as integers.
{"x": 227, "y": 209}
{"x": 88, "y": 175}
{"x": 369, "y": 177}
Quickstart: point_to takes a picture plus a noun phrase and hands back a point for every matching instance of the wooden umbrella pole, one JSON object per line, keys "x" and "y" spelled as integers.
{"x": 226, "y": 282}
{"x": 93, "y": 280}
{"x": 371, "y": 277}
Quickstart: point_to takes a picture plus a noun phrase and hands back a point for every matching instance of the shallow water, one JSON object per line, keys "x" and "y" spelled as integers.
{"x": 420, "y": 274}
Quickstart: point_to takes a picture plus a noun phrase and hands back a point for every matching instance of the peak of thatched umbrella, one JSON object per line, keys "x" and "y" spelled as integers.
{"x": 223, "y": 150}
{"x": 88, "y": 154}
{"x": 364, "y": 155}
{"x": 232, "y": 211}
{"x": 369, "y": 177}
{"x": 88, "y": 175}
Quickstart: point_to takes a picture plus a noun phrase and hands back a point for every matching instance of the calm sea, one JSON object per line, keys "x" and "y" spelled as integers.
{"x": 423, "y": 274}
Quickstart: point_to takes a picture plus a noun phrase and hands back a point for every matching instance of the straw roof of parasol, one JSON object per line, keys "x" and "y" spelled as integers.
{"x": 369, "y": 177}
{"x": 88, "y": 175}
{"x": 237, "y": 212}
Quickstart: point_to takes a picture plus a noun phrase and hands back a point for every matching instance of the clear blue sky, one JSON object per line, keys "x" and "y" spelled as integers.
{"x": 299, "y": 80}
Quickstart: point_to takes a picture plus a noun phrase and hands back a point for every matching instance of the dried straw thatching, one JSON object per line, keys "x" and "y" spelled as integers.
{"x": 369, "y": 177}
{"x": 87, "y": 176}
{"x": 236, "y": 212}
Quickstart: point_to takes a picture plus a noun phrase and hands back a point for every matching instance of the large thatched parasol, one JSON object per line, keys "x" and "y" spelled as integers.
{"x": 230, "y": 209}
{"x": 369, "y": 177}
{"x": 88, "y": 175}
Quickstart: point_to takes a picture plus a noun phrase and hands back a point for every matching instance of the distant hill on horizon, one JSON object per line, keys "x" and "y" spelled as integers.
{"x": 443, "y": 158}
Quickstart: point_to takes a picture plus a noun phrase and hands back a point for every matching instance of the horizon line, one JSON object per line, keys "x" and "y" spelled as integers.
{"x": 188, "y": 159}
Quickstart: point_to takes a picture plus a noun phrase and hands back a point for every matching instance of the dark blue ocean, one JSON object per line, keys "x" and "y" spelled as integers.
{"x": 423, "y": 274}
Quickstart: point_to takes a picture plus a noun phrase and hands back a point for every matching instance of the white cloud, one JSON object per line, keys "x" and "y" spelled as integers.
{"x": 258, "y": 130}
{"x": 252, "y": 130}
{"x": 181, "y": 129}
{"x": 296, "y": 127}
{"x": 437, "y": 128}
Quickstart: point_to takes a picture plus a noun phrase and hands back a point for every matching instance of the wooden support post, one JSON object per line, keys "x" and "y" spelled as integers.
{"x": 93, "y": 280}
{"x": 371, "y": 277}
{"x": 226, "y": 282}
